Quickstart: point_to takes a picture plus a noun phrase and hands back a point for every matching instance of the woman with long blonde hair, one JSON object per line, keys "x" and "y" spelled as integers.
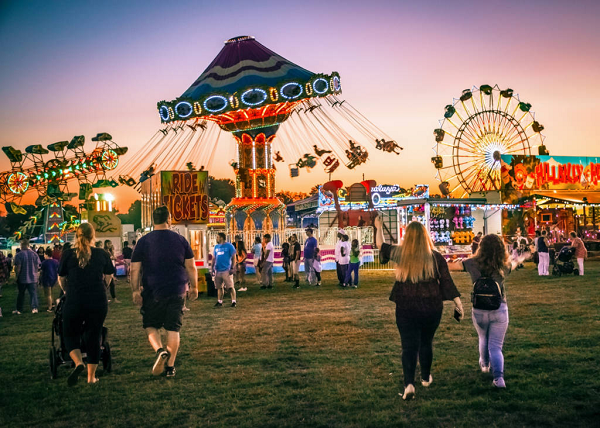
{"x": 423, "y": 282}
{"x": 85, "y": 272}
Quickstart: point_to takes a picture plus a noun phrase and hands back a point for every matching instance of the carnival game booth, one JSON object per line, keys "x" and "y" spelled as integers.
{"x": 452, "y": 223}
{"x": 185, "y": 193}
{"x": 558, "y": 193}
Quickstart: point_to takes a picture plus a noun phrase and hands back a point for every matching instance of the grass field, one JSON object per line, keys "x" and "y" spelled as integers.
{"x": 322, "y": 357}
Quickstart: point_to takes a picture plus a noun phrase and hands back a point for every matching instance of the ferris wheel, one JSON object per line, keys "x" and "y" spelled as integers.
{"x": 478, "y": 127}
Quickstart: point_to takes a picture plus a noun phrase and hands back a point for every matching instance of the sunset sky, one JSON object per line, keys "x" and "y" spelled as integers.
{"x": 83, "y": 67}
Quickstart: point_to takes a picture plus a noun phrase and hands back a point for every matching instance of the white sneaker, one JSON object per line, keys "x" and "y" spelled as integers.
{"x": 484, "y": 368}
{"x": 34, "y": 311}
{"x": 499, "y": 383}
{"x": 16, "y": 312}
{"x": 0, "y": 312}
{"x": 427, "y": 383}
{"x": 409, "y": 392}
{"x": 243, "y": 289}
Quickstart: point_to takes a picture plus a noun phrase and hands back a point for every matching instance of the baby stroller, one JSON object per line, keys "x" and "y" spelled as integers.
{"x": 563, "y": 263}
{"x": 59, "y": 356}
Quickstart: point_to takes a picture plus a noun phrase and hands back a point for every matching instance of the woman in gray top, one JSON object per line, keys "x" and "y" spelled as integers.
{"x": 491, "y": 260}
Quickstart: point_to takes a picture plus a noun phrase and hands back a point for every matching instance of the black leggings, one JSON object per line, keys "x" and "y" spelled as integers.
{"x": 416, "y": 334}
{"x": 84, "y": 320}
{"x": 112, "y": 289}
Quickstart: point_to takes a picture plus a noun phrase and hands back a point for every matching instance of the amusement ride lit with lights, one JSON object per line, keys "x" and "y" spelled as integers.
{"x": 249, "y": 91}
{"x": 478, "y": 127}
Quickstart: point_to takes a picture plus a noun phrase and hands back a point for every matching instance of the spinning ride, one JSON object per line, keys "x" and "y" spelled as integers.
{"x": 478, "y": 127}
{"x": 50, "y": 179}
{"x": 250, "y": 91}
{"x": 30, "y": 171}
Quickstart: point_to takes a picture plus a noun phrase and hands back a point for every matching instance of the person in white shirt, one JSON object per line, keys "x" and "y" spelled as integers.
{"x": 338, "y": 246}
{"x": 344, "y": 258}
{"x": 268, "y": 257}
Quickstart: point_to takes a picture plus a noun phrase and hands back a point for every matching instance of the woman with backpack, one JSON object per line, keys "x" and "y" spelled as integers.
{"x": 488, "y": 269}
{"x": 423, "y": 282}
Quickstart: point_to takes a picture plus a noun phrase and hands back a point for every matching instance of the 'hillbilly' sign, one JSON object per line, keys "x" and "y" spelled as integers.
{"x": 550, "y": 173}
{"x": 185, "y": 193}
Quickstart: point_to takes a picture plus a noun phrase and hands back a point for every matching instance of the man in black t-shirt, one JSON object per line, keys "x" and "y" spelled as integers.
{"x": 163, "y": 264}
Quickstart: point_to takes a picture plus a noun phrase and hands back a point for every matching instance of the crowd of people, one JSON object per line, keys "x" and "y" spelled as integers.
{"x": 36, "y": 268}
{"x": 162, "y": 280}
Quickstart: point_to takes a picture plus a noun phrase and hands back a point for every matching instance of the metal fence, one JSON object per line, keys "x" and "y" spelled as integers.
{"x": 327, "y": 237}
{"x": 375, "y": 264}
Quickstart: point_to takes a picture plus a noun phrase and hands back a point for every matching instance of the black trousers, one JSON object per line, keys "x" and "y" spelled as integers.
{"x": 341, "y": 273}
{"x": 83, "y": 320}
{"x": 416, "y": 334}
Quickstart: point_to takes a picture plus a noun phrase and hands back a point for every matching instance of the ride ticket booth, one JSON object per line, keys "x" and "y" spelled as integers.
{"x": 185, "y": 193}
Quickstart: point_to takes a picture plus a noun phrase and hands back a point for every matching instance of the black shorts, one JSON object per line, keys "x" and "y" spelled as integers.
{"x": 166, "y": 312}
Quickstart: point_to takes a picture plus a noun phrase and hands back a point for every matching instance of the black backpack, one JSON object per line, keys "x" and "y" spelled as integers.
{"x": 487, "y": 294}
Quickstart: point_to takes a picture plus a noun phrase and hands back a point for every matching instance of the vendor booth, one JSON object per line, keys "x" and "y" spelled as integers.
{"x": 558, "y": 193}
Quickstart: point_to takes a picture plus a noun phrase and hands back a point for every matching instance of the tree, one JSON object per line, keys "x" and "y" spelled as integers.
{"x": 288, "y": 197}
{"x": 12, "y": 222}
{"x": 313, "y": 190}
{"x": 133, "y": 216}
{"x": 69, "y": 211}
{"x": 221, "y": 188}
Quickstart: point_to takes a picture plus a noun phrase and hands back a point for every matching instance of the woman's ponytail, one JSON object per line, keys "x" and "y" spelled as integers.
{"x": 83, "y": 243}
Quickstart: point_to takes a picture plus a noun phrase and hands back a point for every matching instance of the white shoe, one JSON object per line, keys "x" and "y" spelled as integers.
{"x": 499, "y": 383}
{"x": 427, "y": 383}
{"x": 243, "y": 289}
{"x": 484, "y": 368}
{"x": 34, "y": 311}
{"x": 409, "y": 392}
{"x": 16, "y": 313}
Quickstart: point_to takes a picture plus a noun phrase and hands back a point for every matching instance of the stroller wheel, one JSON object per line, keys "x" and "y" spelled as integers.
{"x": 576, "y": 272}
{"x": 556, "y": 270}
{"x": 107, "y": 358}
{"x": 53, "y": 360}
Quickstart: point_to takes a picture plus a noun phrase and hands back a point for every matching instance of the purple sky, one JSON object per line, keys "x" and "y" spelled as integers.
{"x": 71, "y": 68}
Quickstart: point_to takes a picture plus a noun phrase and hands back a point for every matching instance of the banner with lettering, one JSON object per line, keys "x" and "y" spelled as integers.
{"x": 185, "y": 193}
{"x": 383, "y": 196}
{"x": 523, "y": 173}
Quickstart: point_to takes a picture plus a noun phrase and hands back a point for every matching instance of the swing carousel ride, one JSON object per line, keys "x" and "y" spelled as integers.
{"x": 50, "y": 178}
{"x": 249, "y": 91}
{"x": 478, "y": 127}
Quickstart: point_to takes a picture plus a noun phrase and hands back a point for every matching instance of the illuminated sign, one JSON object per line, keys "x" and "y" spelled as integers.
{"x": 550, "y": 172}
{"x": 383, "y": 196}
{"x": 216, "y": 216}
{"x": 185, "y": 193}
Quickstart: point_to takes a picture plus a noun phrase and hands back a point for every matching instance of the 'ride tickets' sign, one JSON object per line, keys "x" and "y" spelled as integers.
{"x": 185, "y": 193}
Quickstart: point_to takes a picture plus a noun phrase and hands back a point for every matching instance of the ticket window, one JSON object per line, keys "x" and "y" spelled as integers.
{"x": 197, "y": 242}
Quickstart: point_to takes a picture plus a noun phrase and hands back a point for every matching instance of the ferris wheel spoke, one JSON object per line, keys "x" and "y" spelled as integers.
{"x": 468, "y": 178}
{"x": 466, "y": 109}
{"x": 472, "y": 134}
{"x": 474, "y": 105}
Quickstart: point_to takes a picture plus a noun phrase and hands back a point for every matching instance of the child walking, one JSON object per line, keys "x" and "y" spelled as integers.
{"x": 49, "y": 276}
{"x": 317, "y": 266}
{"x": 354, "y": 265}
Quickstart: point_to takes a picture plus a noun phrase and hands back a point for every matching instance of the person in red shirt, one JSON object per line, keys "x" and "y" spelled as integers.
{"x": 580, "y": 251}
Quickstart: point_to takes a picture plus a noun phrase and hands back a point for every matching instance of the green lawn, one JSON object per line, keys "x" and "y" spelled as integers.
{"x": 319, "y": 357}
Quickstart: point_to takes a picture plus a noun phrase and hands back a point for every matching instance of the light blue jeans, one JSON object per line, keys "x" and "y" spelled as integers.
{"x": 491, "y": 327}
